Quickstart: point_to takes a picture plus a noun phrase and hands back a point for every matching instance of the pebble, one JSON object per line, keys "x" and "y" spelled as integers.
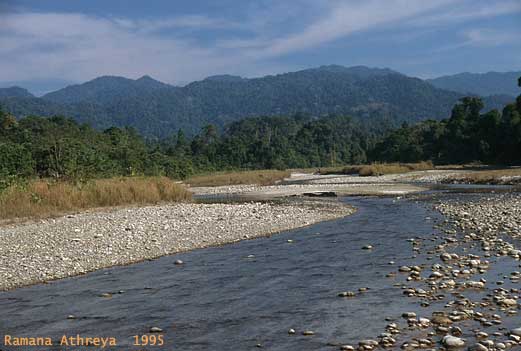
{"x": 450, "y": 341}
{"x": 516, "y": 331}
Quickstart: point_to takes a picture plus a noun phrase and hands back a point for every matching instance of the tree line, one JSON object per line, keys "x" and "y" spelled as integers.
{"x": 59, "y": 147}
{"x": 467, "y": 136}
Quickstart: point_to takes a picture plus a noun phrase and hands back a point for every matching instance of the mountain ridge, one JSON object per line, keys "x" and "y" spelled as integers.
{"x": 15, "y": 91}
{"x": 158, "y": 109}
{"x": 103, "y": 89}
{"x": 484, "y": 84}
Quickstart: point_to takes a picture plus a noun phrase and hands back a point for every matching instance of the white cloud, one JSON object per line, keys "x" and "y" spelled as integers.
{"x": 486, "y": 37}
{"x": 469, "y": 10}
{"x": 190, "y": 21}
{"x": 481, "y": 38}
{"x": 349, "y": 17}
{"x": 77, "y": 47}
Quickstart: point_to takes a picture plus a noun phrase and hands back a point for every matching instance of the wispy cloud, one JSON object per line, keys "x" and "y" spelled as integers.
{"x": 487, "y": 37}
{"x": 346, "y": 18}
{"x": 481, "y": 38}
{"x": 468, "y": 10}
{"x": 76, "y": 46}
{"x": 198, "y": 22}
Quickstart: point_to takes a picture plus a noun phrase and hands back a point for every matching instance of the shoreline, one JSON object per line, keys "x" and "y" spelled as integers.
{"x": 74, "y": 245}
{"x": 459, "y": 271}
{"x": 39, "y": 251}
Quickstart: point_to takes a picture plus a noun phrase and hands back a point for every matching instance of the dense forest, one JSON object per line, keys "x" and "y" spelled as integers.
{"x": 156, "y": 110}
{"x": 61, "y": 148}
{"x": 468, "y": 135}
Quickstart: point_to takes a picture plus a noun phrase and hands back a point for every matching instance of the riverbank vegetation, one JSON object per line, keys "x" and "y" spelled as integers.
{"x": 467, "y": 136}
{"x": 377, "y": 169}
{"x": 44, "y": 198}
{"x": 372, "y": 169}
{"x": 511, "y": 176}
{"x": 261, "y": 177}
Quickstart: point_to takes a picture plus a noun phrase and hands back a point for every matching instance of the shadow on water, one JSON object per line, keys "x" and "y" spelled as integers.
{"x": 236, "y": 296}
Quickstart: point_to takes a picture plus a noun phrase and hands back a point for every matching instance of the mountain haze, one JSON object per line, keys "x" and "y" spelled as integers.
{"x": 15, "y": 92}
{"x": 484, "y": 84}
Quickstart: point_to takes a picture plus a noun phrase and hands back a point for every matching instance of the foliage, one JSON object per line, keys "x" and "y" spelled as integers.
{"x": 60, "y": 148}
{"x": 467, "y": 136}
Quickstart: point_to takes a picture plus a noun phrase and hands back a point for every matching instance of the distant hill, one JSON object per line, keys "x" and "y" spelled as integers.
{"x": 224, "y": 78}
{"x": 158, "y": 110}
{"x": 14, "y": 92}
{"x": 104, "y": 89}
{"x": 484, "y": 84}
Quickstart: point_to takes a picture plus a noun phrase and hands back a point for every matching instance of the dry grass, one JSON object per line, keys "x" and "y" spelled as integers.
{"x": 319, "y": 170}
{"x": 43, "y": 198}
{"x": 264, "y": 177}
{"x": 374, "y": 169}
{"x": 377, "y": 169}
{"x": 499, "y": 176}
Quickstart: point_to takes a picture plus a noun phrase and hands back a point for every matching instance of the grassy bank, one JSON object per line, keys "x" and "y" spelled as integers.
{"x": 499, "y": 176}
{"x": 263, "y": 177}
{"x": 376, "y": 169}
{"x": 41, "y": 198}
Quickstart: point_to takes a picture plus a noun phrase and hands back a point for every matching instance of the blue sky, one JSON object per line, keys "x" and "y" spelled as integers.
{"x": 45, "y": 45}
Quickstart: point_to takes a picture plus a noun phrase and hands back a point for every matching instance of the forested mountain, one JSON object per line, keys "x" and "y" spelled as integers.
{"x": 103, "y": 90}
{"x": 14, "y": 92}
{"x": 62, "y": 148}
{"x": 484, "y": 84}
{"x": 157, "y": 110}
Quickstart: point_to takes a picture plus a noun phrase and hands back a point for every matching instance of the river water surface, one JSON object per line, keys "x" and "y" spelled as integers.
{"x": 240, "y": 295}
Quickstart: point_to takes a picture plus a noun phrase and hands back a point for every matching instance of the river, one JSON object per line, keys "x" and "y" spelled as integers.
{"x": 250, "y": 293}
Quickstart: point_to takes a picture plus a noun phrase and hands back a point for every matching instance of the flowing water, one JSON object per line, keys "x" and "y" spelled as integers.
{"x": 240, "y": 295}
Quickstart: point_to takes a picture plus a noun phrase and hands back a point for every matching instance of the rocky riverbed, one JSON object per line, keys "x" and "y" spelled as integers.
{"x": 466, "y": 287}
{"x": 474, "y": 271}
{"x": 342, "y": 186}
{"x": 76, "y": 244}
{"x": 396, "y": 275}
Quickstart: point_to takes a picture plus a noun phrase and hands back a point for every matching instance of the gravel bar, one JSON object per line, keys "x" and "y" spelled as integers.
{"x": 76, "y": 244}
